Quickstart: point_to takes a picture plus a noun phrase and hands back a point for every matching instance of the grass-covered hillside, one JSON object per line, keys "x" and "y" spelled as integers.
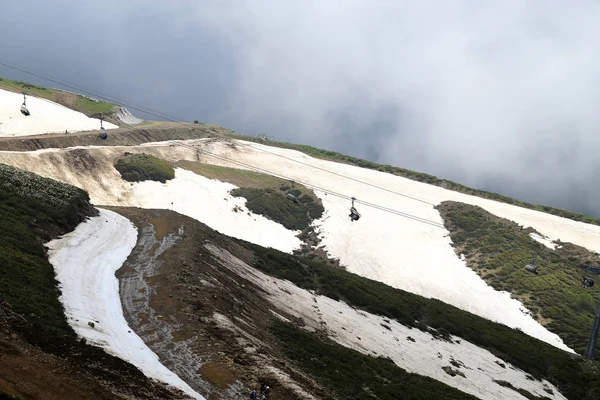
{"x": 144, "y": 167}
{"x": 420, "y": 177}
{"x": 292, "y": 205}
{"x": 575, "y": 377}
{"x": 40, "y": 356}
{"x": 74, "y": 101}
{"x": 499, "y": 249}
{"x": 32, "y": 210}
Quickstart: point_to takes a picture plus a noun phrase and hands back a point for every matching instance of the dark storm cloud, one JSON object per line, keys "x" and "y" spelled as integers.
{"x": 501, "y": 95}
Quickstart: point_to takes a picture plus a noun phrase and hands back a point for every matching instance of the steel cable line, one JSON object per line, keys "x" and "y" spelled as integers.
{"x": 373, "y": 205}
{"x": 96, "y": 95}
{"x": 310, "y": 185}
{"x": 338, "y": 174}
{"x": 242, "y": 144}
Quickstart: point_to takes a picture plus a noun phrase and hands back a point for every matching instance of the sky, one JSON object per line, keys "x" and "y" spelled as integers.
{"x": 501, "y": 95}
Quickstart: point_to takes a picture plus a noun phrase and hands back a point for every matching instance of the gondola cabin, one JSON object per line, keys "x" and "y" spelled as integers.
{"x": 531, "y": 268}
{"x": 24, "y": 109}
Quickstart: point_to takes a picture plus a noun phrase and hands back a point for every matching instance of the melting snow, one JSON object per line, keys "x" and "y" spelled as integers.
{"x": 543, "y": 240}
{"x": 46, "y": 117}
{"x": 401, "y": 252}
{"x": 378, "y": 336}
{"x": 208, "y": 201}
{"x": 85, "y": 262}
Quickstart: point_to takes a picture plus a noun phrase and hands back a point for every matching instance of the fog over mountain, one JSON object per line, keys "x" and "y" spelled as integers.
{"x": 501, "y": 95}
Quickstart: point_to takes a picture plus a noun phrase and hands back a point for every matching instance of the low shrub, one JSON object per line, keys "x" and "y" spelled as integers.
{"x": 144, "y": 167}
{"x": 277, "y": 207}
{"x": 502, "y": 248}
{"x": 32, "y": 211}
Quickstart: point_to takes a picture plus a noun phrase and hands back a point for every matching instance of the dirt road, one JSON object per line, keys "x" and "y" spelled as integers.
{"x": 126, "y": 136}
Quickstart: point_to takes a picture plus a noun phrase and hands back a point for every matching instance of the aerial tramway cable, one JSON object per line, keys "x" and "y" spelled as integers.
{"x": 181, "y": 143}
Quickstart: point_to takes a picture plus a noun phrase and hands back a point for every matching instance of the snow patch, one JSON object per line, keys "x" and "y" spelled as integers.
{"x": 46, "y": 117}
{"x": 85, "y": 262}
{"x": 543, "y": 240}
{"x": 378, "y": 336}
{"x": 127, "y": 117}
{"x": 209, "y": 201}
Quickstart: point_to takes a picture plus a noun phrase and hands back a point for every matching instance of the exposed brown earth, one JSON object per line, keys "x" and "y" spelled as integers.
{"x": 206, "y": 323}
{"x": 83, "y": 372}
{"x": 124, "y": 136}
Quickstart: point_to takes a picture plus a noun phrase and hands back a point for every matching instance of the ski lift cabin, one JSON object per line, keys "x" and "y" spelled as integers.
{"x": 532, "y": 267}
{"x": 102, "y": 134}
{"x": 588, "y": 282}
{"x": 24, "y": 109}
{"x": 354, "y": 215}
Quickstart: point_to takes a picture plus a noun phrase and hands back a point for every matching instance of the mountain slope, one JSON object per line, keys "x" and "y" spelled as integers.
{"x": 85, "y": 261}
{"x": 382, "y": 246}
{"x": 401, "y": 241}
{"x": 39, "y": 353}
{"x": 209, "y": 302}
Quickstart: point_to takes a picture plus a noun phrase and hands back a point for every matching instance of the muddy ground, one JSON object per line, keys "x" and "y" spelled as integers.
{"x": 176, "y": 297}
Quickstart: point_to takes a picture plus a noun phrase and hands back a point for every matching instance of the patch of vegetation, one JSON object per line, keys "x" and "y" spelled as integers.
{"x": 352, "y": 375}
{"x": 420, "y": 177}
{"x": 274, "y": 198}
{"x": 498, "y": 250}
{"x": 144, "y": 167}
{"x": 33, "y": 208}
{"x": 575, "y": 377}
{"x": 522, "y": 392}
{"x": 235, "y": 176}
{"x": 288, "y": 210}
{"x": 20, "y": 87}
{"x": 80, "y": 103}
{"x": 91, "y": 106}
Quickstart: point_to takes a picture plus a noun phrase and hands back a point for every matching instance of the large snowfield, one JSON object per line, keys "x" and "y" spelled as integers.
{"x": 367, "y": 333}
{"x": 401, "y": 252}
{"x": 85, "y": 262}
{"x": 46, "y": 117}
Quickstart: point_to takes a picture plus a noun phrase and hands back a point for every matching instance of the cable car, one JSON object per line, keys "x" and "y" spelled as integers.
{"x": 587, "y": 281}
{"x": 24, "y": 109}
{"x": 532, "y": 267}
{"x": 354, "y": 215}
{"x": 102, "y": 134}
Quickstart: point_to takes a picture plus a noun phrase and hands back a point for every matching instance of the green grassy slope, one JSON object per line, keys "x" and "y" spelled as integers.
{"x": 498, "y": 249}
{"x": 77, "y": 102}
{"x": 143, "y": 167}
{"x": 32, "y": 209}
{"x": 575, "y": 377}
